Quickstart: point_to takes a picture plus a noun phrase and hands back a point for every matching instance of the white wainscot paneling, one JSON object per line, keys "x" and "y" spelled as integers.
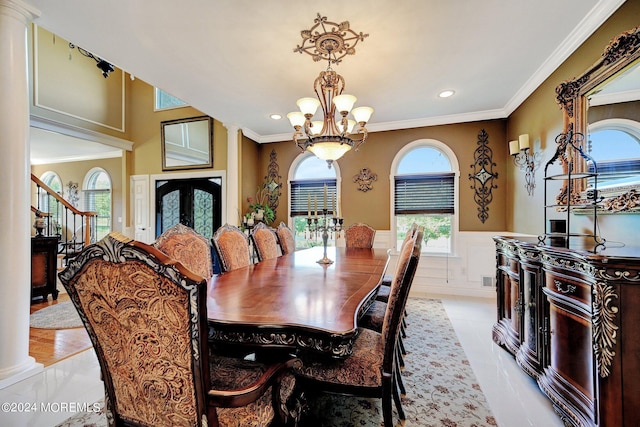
{"x": 458, "y": 274}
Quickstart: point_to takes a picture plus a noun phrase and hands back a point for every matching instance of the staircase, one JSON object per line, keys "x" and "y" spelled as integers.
{"x": 53, "y": 216}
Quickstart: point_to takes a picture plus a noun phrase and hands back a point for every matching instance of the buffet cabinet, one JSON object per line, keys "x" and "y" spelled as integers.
{"x": 571, "y": 320}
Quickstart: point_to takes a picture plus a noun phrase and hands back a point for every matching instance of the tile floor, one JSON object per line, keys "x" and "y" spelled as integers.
{"x": 67, "y": 386}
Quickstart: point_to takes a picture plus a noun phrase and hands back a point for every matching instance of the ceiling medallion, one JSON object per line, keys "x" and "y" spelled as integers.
{"x": 331, "y": 44}
{"x": 330, "y": 138}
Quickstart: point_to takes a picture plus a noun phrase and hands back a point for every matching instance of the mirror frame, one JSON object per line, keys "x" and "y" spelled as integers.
{"x": 572, "y": 95}
{"x": 207, "y": 164}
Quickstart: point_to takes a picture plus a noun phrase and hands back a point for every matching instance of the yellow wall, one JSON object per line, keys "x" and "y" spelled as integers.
{"x": 377, "y": 154}
{"x": 76, "y": 172}
{"x": 540, "y": 116}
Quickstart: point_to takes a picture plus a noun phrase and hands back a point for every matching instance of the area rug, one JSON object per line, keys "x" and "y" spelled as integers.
{"x": 62, "y": 315}
{"x": 442, "y": 390}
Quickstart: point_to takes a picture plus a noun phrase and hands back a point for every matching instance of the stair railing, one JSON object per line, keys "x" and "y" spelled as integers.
{"x": 75, "y": 229}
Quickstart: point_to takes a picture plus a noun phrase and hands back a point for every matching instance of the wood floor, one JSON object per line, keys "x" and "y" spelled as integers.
{"x": 49, "y": 346}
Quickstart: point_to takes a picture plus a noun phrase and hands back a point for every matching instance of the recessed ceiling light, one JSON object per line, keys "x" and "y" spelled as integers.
{"x": 276, "y": 116}
{"x": 446, "y": 93}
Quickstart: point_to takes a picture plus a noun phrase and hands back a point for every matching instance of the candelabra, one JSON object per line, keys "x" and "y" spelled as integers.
{"x": 323, "y": 225}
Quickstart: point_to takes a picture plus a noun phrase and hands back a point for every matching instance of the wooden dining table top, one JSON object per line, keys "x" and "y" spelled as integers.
{"x": 294, "y": 302}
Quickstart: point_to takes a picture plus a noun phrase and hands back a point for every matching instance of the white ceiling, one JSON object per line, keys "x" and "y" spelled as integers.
{"x": 235, "y": 61}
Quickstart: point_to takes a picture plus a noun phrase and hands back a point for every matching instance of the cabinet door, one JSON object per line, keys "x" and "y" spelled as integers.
{"x": 531, "y": 352}
{"x": 569, "y": 378}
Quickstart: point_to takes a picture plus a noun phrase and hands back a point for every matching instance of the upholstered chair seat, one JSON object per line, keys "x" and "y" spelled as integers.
{"x": 359, "y": 235}
{"x": 232, "y": 247}
{"x": 265, "y": 242}
{"x": 146, "y": 316}
{"x": 285, "y": 238}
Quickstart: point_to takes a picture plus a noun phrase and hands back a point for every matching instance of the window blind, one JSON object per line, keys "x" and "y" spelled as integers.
{"x": 304, "y": 193}
{"x": 429, "y": 193}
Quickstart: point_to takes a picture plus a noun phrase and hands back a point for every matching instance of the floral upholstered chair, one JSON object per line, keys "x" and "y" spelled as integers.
{"x": 191, "y": 249}
{"x": 359, "y": 235}
{"x": 371, "y": 370}
{"x": 147, "y": 320}
{"x": 232, "y": 247}
{"x": 265, "y": 242}
{"x": 286, "y": 239}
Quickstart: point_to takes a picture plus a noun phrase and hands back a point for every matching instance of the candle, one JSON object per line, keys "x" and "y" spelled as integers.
{"x": 337, "y": 206}
{"x": 333, "y": 202}
{"x": 524, "y": 141}
{"x": 308, "y": 205}
{"x": 513, "y": 147}
{"x": 315, "y": 205}
{"x": 325, "y": 197}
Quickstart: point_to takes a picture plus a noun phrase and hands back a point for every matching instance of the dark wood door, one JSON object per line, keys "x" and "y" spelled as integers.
{"x": 195, "y": 203}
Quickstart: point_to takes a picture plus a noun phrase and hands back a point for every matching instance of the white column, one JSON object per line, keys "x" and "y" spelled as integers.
{"x": 233, "y": 175}
{"x": 15, "y": 201}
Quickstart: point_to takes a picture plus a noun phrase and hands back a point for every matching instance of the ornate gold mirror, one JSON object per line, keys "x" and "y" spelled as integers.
{"x": 187, "y": 143}
{"x": 605, "y": 97}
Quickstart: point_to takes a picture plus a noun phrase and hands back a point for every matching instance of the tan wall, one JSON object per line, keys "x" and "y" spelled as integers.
{"x": 76, "y": 172}
{"x": 377, "y": 154}
{"x": 68, "y": 87}
{"x": 541, "y": 118}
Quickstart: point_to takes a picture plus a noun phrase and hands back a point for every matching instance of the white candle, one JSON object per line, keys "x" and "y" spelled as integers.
{"x": 315, "y": 205}
{"x": 524, "y": 141}
{"x": 308, "y": 205}
{"x": 333, "y": 202}
{"x": 513, "y": 147}
{"x": 325, "y": 197}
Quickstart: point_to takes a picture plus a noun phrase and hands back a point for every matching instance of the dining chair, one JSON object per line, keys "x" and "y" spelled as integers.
{"x": 265, "y": 242}
{"x": 146, "y": 315}
{"x": 190, "y": 248}
{"x": 286, "y": 239}
{"x": 370, "y": 371}
{"x": 232, "y": 247}
{"x": 359, "y": 235}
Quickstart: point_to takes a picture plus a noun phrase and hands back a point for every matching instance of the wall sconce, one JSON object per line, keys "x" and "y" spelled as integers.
{"x": 525, "y": 159}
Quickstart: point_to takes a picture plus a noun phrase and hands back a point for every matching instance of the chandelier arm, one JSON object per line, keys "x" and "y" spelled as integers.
{"x": 359, "y": 141}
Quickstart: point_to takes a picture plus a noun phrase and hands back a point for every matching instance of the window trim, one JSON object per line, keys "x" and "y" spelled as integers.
{"x": 455, "y": 169}
{"x": 85, "y": 190}
{"x": 291, "y": 177}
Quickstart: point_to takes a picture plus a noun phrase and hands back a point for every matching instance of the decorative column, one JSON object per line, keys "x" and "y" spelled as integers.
{"x": 15, "y": 200}
{"x": 233, "y": 175}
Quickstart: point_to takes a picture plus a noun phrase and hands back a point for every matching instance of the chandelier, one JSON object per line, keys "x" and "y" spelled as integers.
{"x": 329, "y": 138}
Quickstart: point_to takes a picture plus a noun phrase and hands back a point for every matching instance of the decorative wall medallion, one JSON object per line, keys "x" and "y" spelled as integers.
{"x": 483, "y": 175}
{"x": 364, "y": 179}
{"x": 605, "y": 330}
{"x": 273, "y": 184}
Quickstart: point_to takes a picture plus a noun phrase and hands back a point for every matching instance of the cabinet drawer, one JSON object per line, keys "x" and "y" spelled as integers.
{"x": 569, "y": 287}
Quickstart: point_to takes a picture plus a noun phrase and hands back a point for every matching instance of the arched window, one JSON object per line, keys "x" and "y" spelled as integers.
{"x": 47, "y": 203}
{"x": 424, "y": 191}
{"x": 614, "y": 145}
{"x": 308, "y": 178}
{"x": 97, "y": 198}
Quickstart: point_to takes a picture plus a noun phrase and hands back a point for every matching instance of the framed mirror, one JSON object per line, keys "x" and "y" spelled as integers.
{"x": 187, "y": 143}
{"x": 603, "y": 105}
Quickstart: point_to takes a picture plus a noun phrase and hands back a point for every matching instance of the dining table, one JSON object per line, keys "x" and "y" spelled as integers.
{"x": 294, "y": 303}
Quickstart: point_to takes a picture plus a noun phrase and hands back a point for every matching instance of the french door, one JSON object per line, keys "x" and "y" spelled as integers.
{"x": 194, "y": 202}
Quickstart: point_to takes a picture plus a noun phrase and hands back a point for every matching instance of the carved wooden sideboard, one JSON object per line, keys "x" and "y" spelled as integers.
{"x": 571, "y": 318}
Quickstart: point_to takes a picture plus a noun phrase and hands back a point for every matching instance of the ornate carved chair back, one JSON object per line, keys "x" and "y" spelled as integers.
{"x": 286, "y": 239}
{"x": 232, "y": 247}
{"x": 185, "y": 245}
{"x": 146, "y": 315}
{"x": 143, "y": 314}
{"x": 359, "y": 235}
{"x": 265, "y": 242}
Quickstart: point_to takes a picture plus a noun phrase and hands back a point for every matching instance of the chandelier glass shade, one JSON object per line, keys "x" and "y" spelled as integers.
{"x": 330, "y": 138}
